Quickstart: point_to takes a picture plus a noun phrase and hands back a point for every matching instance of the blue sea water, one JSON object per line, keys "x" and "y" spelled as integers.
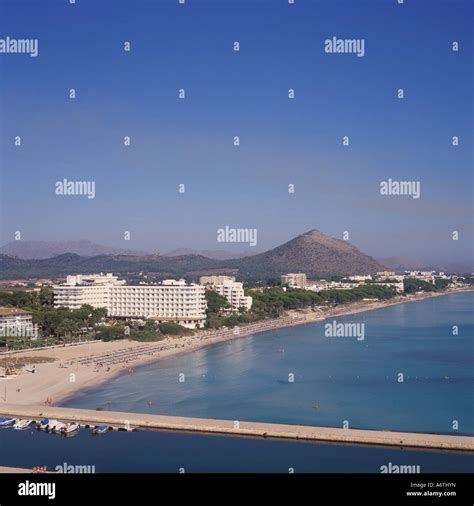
{"x": 336, "y": 379}
{"x": 247, "y": 379}
{"x": 168, "y": 452}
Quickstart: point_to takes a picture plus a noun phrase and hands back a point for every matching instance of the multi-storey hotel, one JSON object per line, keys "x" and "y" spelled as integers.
{"x": 171, "y": 301}
{"x": 232, "y": 290}
{"x": 93, "y": 289}
{"x": 294, "y": 280}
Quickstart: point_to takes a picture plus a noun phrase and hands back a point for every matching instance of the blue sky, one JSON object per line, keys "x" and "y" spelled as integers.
{"x": 241, "y": 93}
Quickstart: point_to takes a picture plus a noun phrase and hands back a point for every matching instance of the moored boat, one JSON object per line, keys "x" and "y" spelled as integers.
{"x": 6, "y": 421}
{"x": 22, "y": 424}
{"x": 100, "y": 429}
{"x": 52, "y": 425}
{"x": 43, "y": 425}
{"x": 70, "y": 428}
{"x": 58, "y": 428}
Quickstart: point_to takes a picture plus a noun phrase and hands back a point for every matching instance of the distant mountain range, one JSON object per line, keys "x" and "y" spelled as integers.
{"x": 34, "y": 250}
{"x": 401, "y": 263}
{"x": 313, "y": 252}
{"x": 37, "y": 250}
{"x": 215, "y": 254}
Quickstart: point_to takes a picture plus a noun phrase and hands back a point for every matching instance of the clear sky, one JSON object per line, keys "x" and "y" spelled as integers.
{"x": 282, "y": 141}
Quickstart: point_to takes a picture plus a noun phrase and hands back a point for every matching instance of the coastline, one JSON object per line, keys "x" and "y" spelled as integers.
{"x": 77, "y": 370}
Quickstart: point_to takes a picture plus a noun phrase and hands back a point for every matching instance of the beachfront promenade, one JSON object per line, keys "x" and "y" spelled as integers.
{"x": 240, "y": 428}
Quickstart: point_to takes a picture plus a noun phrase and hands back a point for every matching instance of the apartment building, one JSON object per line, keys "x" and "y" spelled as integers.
{"x": 428, "y": 276}
{"x": 170, "y": 301}
{"x": 232, "y": 290}
{"x": 398, "y": 285}
{"x": 360, "y": 277}
{"x": 294, "y": 280}
{"x": 386, "y": 274}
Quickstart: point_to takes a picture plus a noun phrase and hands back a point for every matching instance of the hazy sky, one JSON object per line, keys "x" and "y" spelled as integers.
{"x": 282, "y": 141}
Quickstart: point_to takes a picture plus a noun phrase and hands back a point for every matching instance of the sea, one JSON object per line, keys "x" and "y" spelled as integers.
{"x": 412, "y": 371}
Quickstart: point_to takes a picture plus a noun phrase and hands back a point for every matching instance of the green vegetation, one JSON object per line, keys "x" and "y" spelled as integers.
{"x": 173, "y": 329}
{"x": 272, "y": 302}
{"x": 215, "y": 304}
{"x": 55, "y": 325}
{"x": 275, "y": 300}
{"x": 27, "y": 300}
{"x": 64, "y": 322}
{"x": 417, "y": 285}
{"x": 149, "y": 331}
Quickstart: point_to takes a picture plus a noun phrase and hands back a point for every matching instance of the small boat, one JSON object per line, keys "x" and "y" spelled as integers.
{"x": 22, "y": 424}
{"x": 52, "y": 425}
{"x": 6, "y": 422}
{"x": 100, "y": 429}
{"x": 70, "y": 428}
{"x": 43, "y": 425}
{"x": 58, "y": 428}
{"x": 127, "y": 428}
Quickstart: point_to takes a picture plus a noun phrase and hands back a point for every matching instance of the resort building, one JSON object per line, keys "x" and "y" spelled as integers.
{"x": 427, "y": 276}
{"x": 232, "y": 290}
{"x": 93, "y": 289}
{"x": 386, "y": 274}
{"x": 171, "y": 301}
{"x": 363, "y": 277}
{"x": 399, "y": 286}
{"x": 391, "y": 276}
{"x": 297, "y": 280}
{"x": 15, "y": 322}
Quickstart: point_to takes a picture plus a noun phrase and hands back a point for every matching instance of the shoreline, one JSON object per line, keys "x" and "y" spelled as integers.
{"x": 78, "y": 370}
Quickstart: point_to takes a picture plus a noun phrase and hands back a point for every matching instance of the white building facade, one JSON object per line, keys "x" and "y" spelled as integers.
{"x": 91, "y": 289}
{"x": 232, "y": 290}
{"x": 294, "y": 280}
{"x": 15, "y": 322}
{"x": 171, "y": 301}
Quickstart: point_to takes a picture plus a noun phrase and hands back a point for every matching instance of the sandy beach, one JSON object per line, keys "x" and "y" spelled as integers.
{"x": 75, "y": 368}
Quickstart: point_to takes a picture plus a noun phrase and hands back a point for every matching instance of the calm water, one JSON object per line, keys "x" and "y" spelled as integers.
{"x": 335, "y": 379}
{"x": 248, "y": 380}
{"x": 167, "y": 452}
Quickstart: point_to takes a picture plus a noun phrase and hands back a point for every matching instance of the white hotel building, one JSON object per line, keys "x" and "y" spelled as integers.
{"x": 232, "y": 290}
{"x": 171, "y": 301}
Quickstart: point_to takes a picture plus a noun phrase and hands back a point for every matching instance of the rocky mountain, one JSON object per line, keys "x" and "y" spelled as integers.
{"x": 49, "y": 249}
{"x": 314, "y": 253}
